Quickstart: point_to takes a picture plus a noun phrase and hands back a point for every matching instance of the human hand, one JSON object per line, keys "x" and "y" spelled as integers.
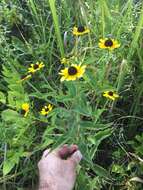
{"x": 57, "y": 169}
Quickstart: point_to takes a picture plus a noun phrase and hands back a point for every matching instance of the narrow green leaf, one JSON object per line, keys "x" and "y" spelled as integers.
{"x": 2, "y": 98}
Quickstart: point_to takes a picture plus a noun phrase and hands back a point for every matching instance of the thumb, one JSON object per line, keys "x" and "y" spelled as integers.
{"x": 75, "y": 158}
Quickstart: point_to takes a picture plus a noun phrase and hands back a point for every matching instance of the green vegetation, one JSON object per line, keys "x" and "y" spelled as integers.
{"x": 99, "y": 107}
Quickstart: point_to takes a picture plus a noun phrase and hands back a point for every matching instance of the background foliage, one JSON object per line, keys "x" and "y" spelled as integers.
{"x": 109, "y": 134}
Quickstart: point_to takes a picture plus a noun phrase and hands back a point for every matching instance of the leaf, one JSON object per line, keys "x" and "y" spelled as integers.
{"x": 97, "y": 113}
{"x": 71, "y": 89}
{"x": 12, "y": 160}
{"x": 82, "y": 111}
{"x": 91, "y": 79}
{"x": 46, "y": 143}
{"x": 2, "y": 98}
{"x": 83, "y": 107}
{"x": 97, "y": 138}
{"x": 100, "y": 171}
{"x": 7, "y": 166}
{"x": 64, "y": 98}
{"x": 16, "y": 93}
{"x": 102, "y": 134}
{"x": 10, "y": 115}
{"x": 117, "y": 169}
{"x": 16, "y": 88}
{"x": 16, "y": 99}
{"x": 94, "y": 127}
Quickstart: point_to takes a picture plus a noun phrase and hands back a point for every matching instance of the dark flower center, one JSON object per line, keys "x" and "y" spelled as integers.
{"x": 110, "y": 93}
{"x": 108, "y": 43}
{"x": 72, "y": 70}
{"x": 46, "y": 109}
{"x": 22, "y": 112}
{"x": 36, "y": 66}
{"x": 81, "y": 29}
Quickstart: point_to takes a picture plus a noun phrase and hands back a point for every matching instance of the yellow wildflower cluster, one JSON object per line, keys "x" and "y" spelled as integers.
{"x": 31, "y": 70}
{"x": 71, "y": 71}
{"x": 25, "y": 108}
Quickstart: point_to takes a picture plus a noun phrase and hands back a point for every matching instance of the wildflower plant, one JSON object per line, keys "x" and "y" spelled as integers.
{"x": 46, "y": 109}
{"x": 35, "y": 67}
{"x": 80, "y": 30}
{"x": 72, "y": 72}
{"x": 108, "y": 43}
{"x": 80, "y": 93}
{"x": 111, "y": 95}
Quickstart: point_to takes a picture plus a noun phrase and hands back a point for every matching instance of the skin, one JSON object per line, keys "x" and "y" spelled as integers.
{"x": 57, "y": 169}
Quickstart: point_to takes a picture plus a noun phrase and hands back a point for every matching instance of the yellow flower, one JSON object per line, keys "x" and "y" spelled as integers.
{"x": 46, "y": 109}
{"x": 111, "y": 95}
{"x": 64, "y": 60}
{"x": 25, "y": 109}
{"x": 108, "y": 43}
{"x": 73, "y": 72}
{"x": 24, "y": 77}
{"x": 81, "y": 30}
{"x": 35, "y": 67}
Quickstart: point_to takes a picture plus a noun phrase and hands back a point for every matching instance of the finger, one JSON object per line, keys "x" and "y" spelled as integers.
{"x": 75, "y": 158}
{"x": 58, "y": 151}
{"x": 73, "y": 148}
{"x": 45, "y": 153}
{"x": 63, "y": 151}
{"x": 66, "y": 151}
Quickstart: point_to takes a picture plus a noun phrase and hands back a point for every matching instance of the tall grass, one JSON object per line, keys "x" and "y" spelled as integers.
{"x": 56, "y": 24}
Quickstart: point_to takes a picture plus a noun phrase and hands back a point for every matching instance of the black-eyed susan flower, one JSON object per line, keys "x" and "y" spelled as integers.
{"x": 35, "y": 67}
{"x": 72, "y": 73}
{"x": 111, "y": 95}
{"x": 108, "y": 43}
{"x": 24, "y": 77}
{"x": 24, "y": 109}
{"x": 46, "y": 109}
{"x": 81, "y": 30}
